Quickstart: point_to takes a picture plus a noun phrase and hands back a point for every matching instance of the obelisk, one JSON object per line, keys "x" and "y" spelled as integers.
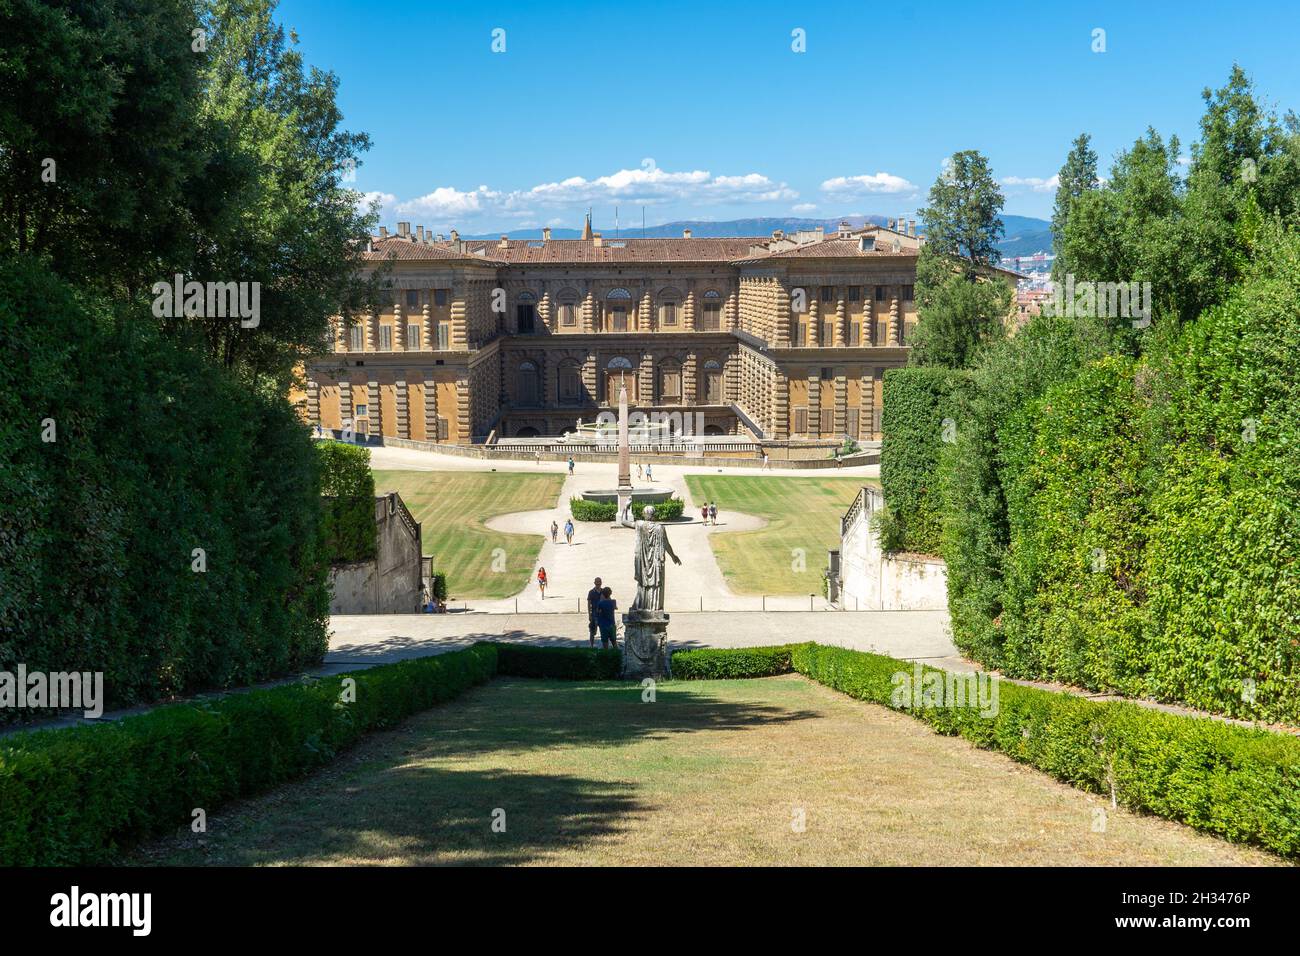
{"x": 624, "y": 454}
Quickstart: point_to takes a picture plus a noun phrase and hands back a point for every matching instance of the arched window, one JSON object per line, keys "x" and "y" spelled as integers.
{"x": 712, "y": 383}
{"x": 670, "y": 382}
{"x": 568, "y": 383}
{"x": 619, "y": 304}
{"x": 711, "y": 311}
{"x": 618, "y": 362}
{"x": 526, "y": 312}
{"x": 567, "y": 301}
{"x": 528, "y": 384}
{"x": 670, "y": 308}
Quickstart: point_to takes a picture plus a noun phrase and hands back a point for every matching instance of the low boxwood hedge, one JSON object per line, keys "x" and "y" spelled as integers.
{"x": 561, "y": 663}
{"x": 583, "y": 510}
{"x": 718, "y": 664}
{"x": 76, "y": 795}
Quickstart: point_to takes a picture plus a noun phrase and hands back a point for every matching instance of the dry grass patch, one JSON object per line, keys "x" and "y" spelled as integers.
{"x": 713, "y": 772}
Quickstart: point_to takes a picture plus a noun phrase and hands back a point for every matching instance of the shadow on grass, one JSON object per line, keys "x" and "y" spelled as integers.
{"x": 427, "y": 792}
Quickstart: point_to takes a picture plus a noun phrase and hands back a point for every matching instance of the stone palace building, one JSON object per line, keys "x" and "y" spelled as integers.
{"x": 771, "y": 338}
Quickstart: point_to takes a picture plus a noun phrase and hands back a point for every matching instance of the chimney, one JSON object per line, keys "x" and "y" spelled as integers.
{"x": 438, "y": 237}
{"x": 504, "y": 243}
{"x": 777, "y": 235}
{"x": 546, "y": 234}
{"x": 370, "y": 246}
{"x": 419, "y": 232}
{"x": 821, "y": 232}
{"x": 455, "y": 236}
{"x": 383, "y": 232}
{"x": 845, "y": 229}
{"x": 686, "y": 234}
{"x": 596, "y": 240}
{"x": 891, "y": 225}
{"x": 911, "y": 227}
{"x": 404, "y": 229}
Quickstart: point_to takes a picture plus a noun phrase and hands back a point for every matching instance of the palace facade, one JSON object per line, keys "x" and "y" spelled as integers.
{"x": 774, "y": 338}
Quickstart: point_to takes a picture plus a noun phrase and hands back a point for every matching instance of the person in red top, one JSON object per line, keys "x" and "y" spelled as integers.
{"x": 541, "y": 582}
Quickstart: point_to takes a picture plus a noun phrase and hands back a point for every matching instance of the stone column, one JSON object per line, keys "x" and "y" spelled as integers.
{"x": 688, "y": 311}
{"x": 894, "y": 319}
{"x": 785, "y": 318}
{"x": 461, "y": 293}
{"x": 645, "y": 317}
{"x": 814, "y": 321}
{"x": 376, "y": 408}
{"x": 345, "y": 403}
{"x": 372, "y": 331}
{"x": 399, "y": 329}
{"x": 462, "y": 410}
{"x": 780, "y": 404}
{"x": 544, "y": 311}
{"x": 841, "y": 402}
{"x": 589, "y": 311}
{"x": 428, "y": 333}
{"x": 841, "y": 322}
{"x": 313, "y": 400}
{"x": 814, "y": 403}
{"x": 430, "y": 406}
{"x": 402, "y": 396}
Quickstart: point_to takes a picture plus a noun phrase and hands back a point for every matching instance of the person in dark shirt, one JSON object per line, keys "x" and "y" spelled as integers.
{"x": 605, "y": 609}
{"x": 593, "y": 598}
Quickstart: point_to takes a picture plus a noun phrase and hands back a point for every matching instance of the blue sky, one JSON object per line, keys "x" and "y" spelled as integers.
{"x": 704, "y": 110}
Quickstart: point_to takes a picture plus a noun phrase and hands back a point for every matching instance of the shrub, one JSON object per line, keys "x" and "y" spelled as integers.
{"x": 561, "y": 663}
{"x": 156, "y": 452}
{"x": 348, "y": 508}
{"x": 1238, "y": 782}
{"x": 76, "y": 796}
{"x": 583, "y": 510}
{"x": 917, "y": 401}
{"x": 730, "y": 663}
{"x": 439, "y": 586}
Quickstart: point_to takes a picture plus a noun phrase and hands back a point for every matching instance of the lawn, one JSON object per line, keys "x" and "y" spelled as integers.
{"x": 452, "y": 507}
{"x": 789, "y": 554}
{"x": 776, "y": 771}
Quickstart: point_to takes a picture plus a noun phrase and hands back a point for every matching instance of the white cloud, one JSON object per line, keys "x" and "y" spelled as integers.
{"x": 804, "y": 207}
{"x": 648, "y": 185}
{"x": 876, "y": 184}
{"x": 382, "y": 200}
{"x": 1034, "y": 183}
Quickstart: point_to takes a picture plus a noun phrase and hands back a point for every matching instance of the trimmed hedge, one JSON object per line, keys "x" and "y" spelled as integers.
{"x": 77, "y": 795}
{"x": 732, "y": 663}
{"x": 917, "y": 401}
{"x": 583, "y": 510}
{"x": 348, "y": 508}
{"x": 166, "y": 529}
{"x": 1240, "y": 783}
{"x": 560, "y": 663}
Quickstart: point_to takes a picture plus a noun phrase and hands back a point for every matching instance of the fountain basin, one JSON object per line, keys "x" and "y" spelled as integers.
{"x": 644, "y": 495}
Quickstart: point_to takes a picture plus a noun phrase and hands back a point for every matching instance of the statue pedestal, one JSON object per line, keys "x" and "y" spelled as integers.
{"x": 645, "y": 645}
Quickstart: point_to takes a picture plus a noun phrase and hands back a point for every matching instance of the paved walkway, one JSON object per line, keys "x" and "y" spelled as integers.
{"x": 380, "y": 638}
{"x": 605, "y": 551}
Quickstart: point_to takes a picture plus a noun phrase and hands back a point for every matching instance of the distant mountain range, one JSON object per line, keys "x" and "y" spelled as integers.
{"x": 1024, "y": 234}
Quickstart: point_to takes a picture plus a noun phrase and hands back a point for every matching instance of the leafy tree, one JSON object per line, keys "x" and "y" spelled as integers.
{"x": 1077, "y": 176}
{"x": 960, "y": 302}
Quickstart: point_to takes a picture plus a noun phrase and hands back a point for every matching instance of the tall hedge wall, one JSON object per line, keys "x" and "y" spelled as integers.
{"x": 155, "y": 453}
{"x": 348, "y": 511}
{"x": 1134, "y": 524}
{"x": 917, "y": 400}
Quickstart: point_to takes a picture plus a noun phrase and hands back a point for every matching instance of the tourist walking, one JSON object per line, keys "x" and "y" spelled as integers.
{"x": 555, "y": 533}
{"x": 605, "y": 619}
{"x": 713, "y": 513}
{"x": 568, "y": 531}
{"x": 570, "y": 466}
{"x": 593, "y": 598}
{"x": 648, "y": 475}
{"x": 638, "y": 471}
{"x": 541, "y": 582}
{"x": 704, "y": 513}
{"x": 766, "y": 467}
